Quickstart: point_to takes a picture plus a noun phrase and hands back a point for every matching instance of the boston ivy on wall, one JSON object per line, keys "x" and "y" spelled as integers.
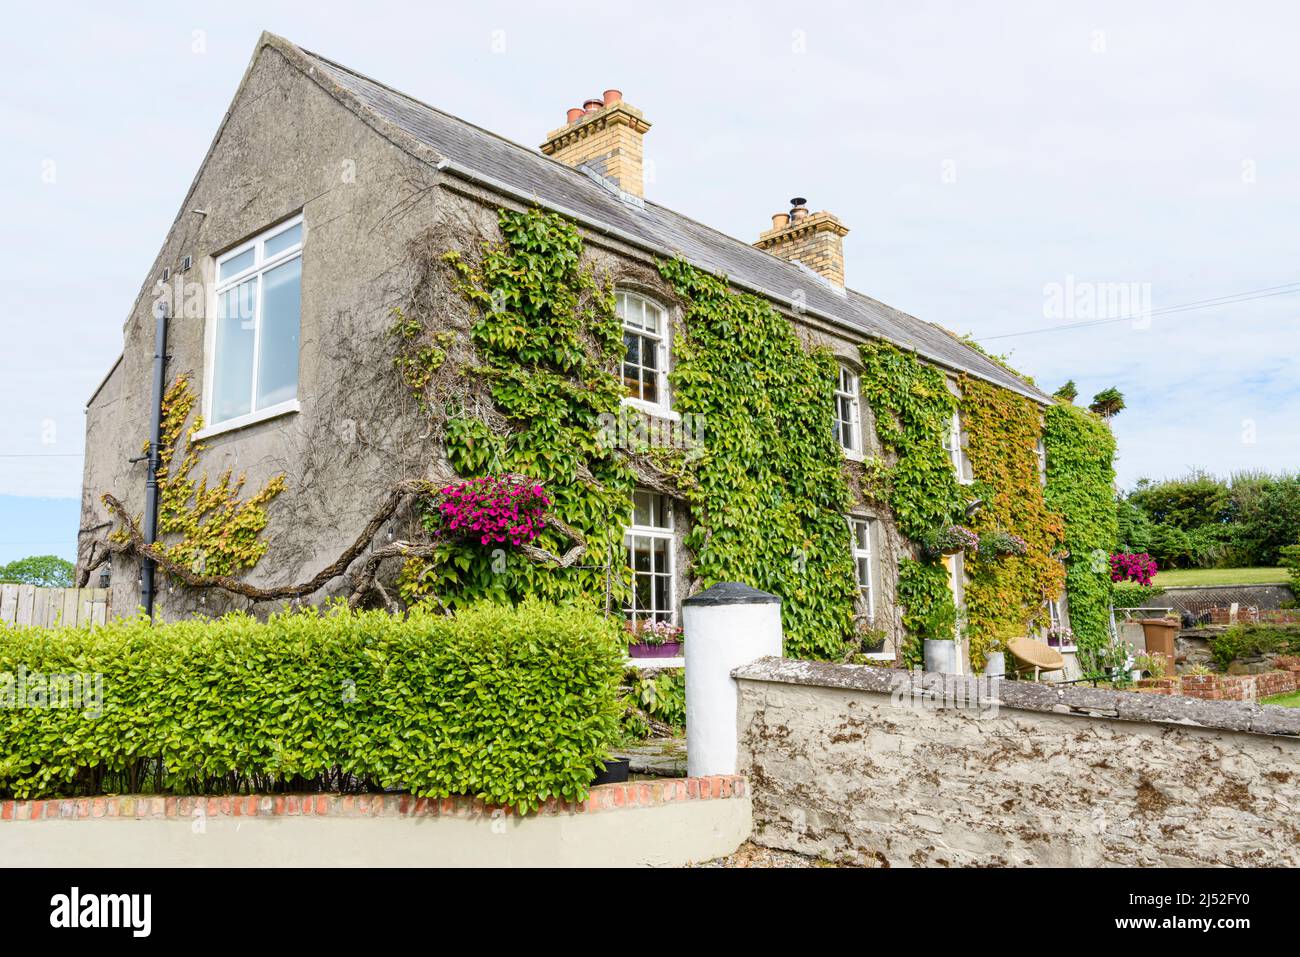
{"x": 205, "y": 527}
{"x": 1080, "y": 486}
{"x": 912, "y": 407}
{"x": 1005, "y": 595}
{"x": 547, "y": 343}
{"x": 766, "y": 489}
{"x": 769, "y": 496}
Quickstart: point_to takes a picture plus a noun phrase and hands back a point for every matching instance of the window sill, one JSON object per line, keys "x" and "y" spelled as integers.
{"x": 251, "y": 418}
{"x": 649, "y": 408}
{"x": 852, "y": 455}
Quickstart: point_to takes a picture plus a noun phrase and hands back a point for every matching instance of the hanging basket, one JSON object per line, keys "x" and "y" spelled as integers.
{"x": 493, "y": 510}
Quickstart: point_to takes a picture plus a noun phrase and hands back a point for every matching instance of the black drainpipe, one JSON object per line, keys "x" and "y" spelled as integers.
{"x": 155, "y": 456}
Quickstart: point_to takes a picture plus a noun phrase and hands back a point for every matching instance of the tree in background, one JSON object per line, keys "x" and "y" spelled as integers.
{"x": 48, "y": 571}
{"x": 1069, "y": 392}
{"x": 1208, "y": 522}
{"x": 1108, "y": 403}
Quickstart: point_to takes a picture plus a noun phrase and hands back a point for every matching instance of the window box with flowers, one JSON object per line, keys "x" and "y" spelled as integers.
{"x": 654, "y": 639}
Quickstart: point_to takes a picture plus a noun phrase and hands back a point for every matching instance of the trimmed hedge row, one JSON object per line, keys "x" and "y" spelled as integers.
{"x": 513, "y": 705}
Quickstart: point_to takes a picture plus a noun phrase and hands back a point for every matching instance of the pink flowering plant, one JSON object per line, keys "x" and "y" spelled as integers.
{"x": 994, "y": 544}
{"x": 494, "y": 508}
{"x": 955, "y": 538}
{"x": 1136, "y": 567}
{"x": 654, "y": 633}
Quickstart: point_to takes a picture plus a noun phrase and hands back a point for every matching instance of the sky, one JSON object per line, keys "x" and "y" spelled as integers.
{"x": 1003, "y": 167}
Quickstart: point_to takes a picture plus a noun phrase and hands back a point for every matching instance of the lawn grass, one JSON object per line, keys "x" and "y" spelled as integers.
{"x": 1220, "y": 576}
{"x": 1289, "y": 700}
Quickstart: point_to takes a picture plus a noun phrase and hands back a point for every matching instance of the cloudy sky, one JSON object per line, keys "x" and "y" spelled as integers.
{"x": 1004, "y": 168}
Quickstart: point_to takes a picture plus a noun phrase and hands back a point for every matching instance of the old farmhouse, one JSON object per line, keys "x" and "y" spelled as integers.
{"x": 345, "y": 291}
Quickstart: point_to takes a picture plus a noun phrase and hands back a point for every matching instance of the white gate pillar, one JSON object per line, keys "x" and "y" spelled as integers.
{"x": 727, "y": 626}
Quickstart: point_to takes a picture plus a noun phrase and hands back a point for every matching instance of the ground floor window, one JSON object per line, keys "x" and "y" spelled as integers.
{"x": 1059, "y": 635}
{"x": 649, "y": 541}
{"x": 863, "y": 563}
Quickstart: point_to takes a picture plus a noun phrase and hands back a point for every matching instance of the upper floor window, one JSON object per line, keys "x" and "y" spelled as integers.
{"x": 258, "y": 307}
{"x": 952, "y": 444}
{"x": 645, "y": 336}
{"x": 649, "y": 540}
{"x": 848, "y": 417}
{"x": 1040, "y": 449}
{"x": 863, "y": 562}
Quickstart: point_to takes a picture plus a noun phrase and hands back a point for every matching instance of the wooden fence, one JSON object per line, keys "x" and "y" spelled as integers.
{"x": 52, "y": 607}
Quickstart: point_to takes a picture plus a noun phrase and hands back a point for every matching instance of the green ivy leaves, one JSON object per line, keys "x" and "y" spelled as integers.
{"x": 1080, "y": 485}
{"x": 548, "y": 346}
{"x": 912, "y": 408}
{"x": 770, "y": 495}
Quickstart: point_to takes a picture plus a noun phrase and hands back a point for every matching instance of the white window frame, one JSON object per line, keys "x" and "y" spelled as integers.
{"x": 848, "y": 389}
{"x": 667, "y": 534}
{"x": 661, "y": 338}
{"x": 868, "y": 588}
{"x": 1056, "y": 618}
{"x": 261, "y": 265}
{"x": 1040, "y": 449}
{"x": 952, "y": 445}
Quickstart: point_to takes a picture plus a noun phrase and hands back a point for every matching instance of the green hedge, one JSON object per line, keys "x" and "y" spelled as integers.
{"x": 514, "y": 705}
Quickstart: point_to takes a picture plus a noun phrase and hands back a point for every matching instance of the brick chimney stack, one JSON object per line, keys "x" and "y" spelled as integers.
{"x": 814, "y": 239}
{"x": 605, "y": 134}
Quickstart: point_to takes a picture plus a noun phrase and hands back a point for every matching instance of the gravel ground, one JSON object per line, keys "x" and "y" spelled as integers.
{"x": 751, "y": 855}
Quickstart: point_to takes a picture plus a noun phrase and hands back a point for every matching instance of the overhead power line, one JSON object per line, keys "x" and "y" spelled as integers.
{"x": 1250, "y": 295}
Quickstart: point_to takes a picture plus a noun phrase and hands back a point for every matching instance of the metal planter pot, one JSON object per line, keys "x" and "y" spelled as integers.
{"x": 941, "y": 656}
{"x": 995, "y": 664}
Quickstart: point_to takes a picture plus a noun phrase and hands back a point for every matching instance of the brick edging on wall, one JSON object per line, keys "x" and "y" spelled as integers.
{"x": 604, "y": 797}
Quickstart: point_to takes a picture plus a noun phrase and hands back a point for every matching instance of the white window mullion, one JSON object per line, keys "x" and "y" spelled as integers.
{"x": 257, "y": 343}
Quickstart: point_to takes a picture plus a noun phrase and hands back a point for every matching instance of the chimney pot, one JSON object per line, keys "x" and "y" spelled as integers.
{"x": 817, "y": 243}
{"x": 614, "y": 151}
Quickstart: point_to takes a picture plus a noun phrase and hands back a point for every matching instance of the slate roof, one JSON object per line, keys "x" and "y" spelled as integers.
{"x": 567, "y": 189}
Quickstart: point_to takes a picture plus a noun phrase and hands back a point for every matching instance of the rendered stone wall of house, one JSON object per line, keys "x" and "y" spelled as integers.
{"x": 844, "y": 766}
{"x": 286, "y": 146}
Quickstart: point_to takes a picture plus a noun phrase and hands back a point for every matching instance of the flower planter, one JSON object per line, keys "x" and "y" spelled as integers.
{"x": 995, "y": 664}
{"x": 669, "y": 649}
{"x": 615, "y": 771}
{"x": 941, "y": 655}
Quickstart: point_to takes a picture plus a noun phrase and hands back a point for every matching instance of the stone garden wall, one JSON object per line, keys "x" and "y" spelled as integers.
{"x": 876, "y": 766}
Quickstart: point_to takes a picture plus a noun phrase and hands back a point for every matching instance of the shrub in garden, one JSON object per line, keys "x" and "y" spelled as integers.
{"x": 1250, "y": 641}
{"x": 1135, "y": 596}
{"x": 513, "y": 705}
